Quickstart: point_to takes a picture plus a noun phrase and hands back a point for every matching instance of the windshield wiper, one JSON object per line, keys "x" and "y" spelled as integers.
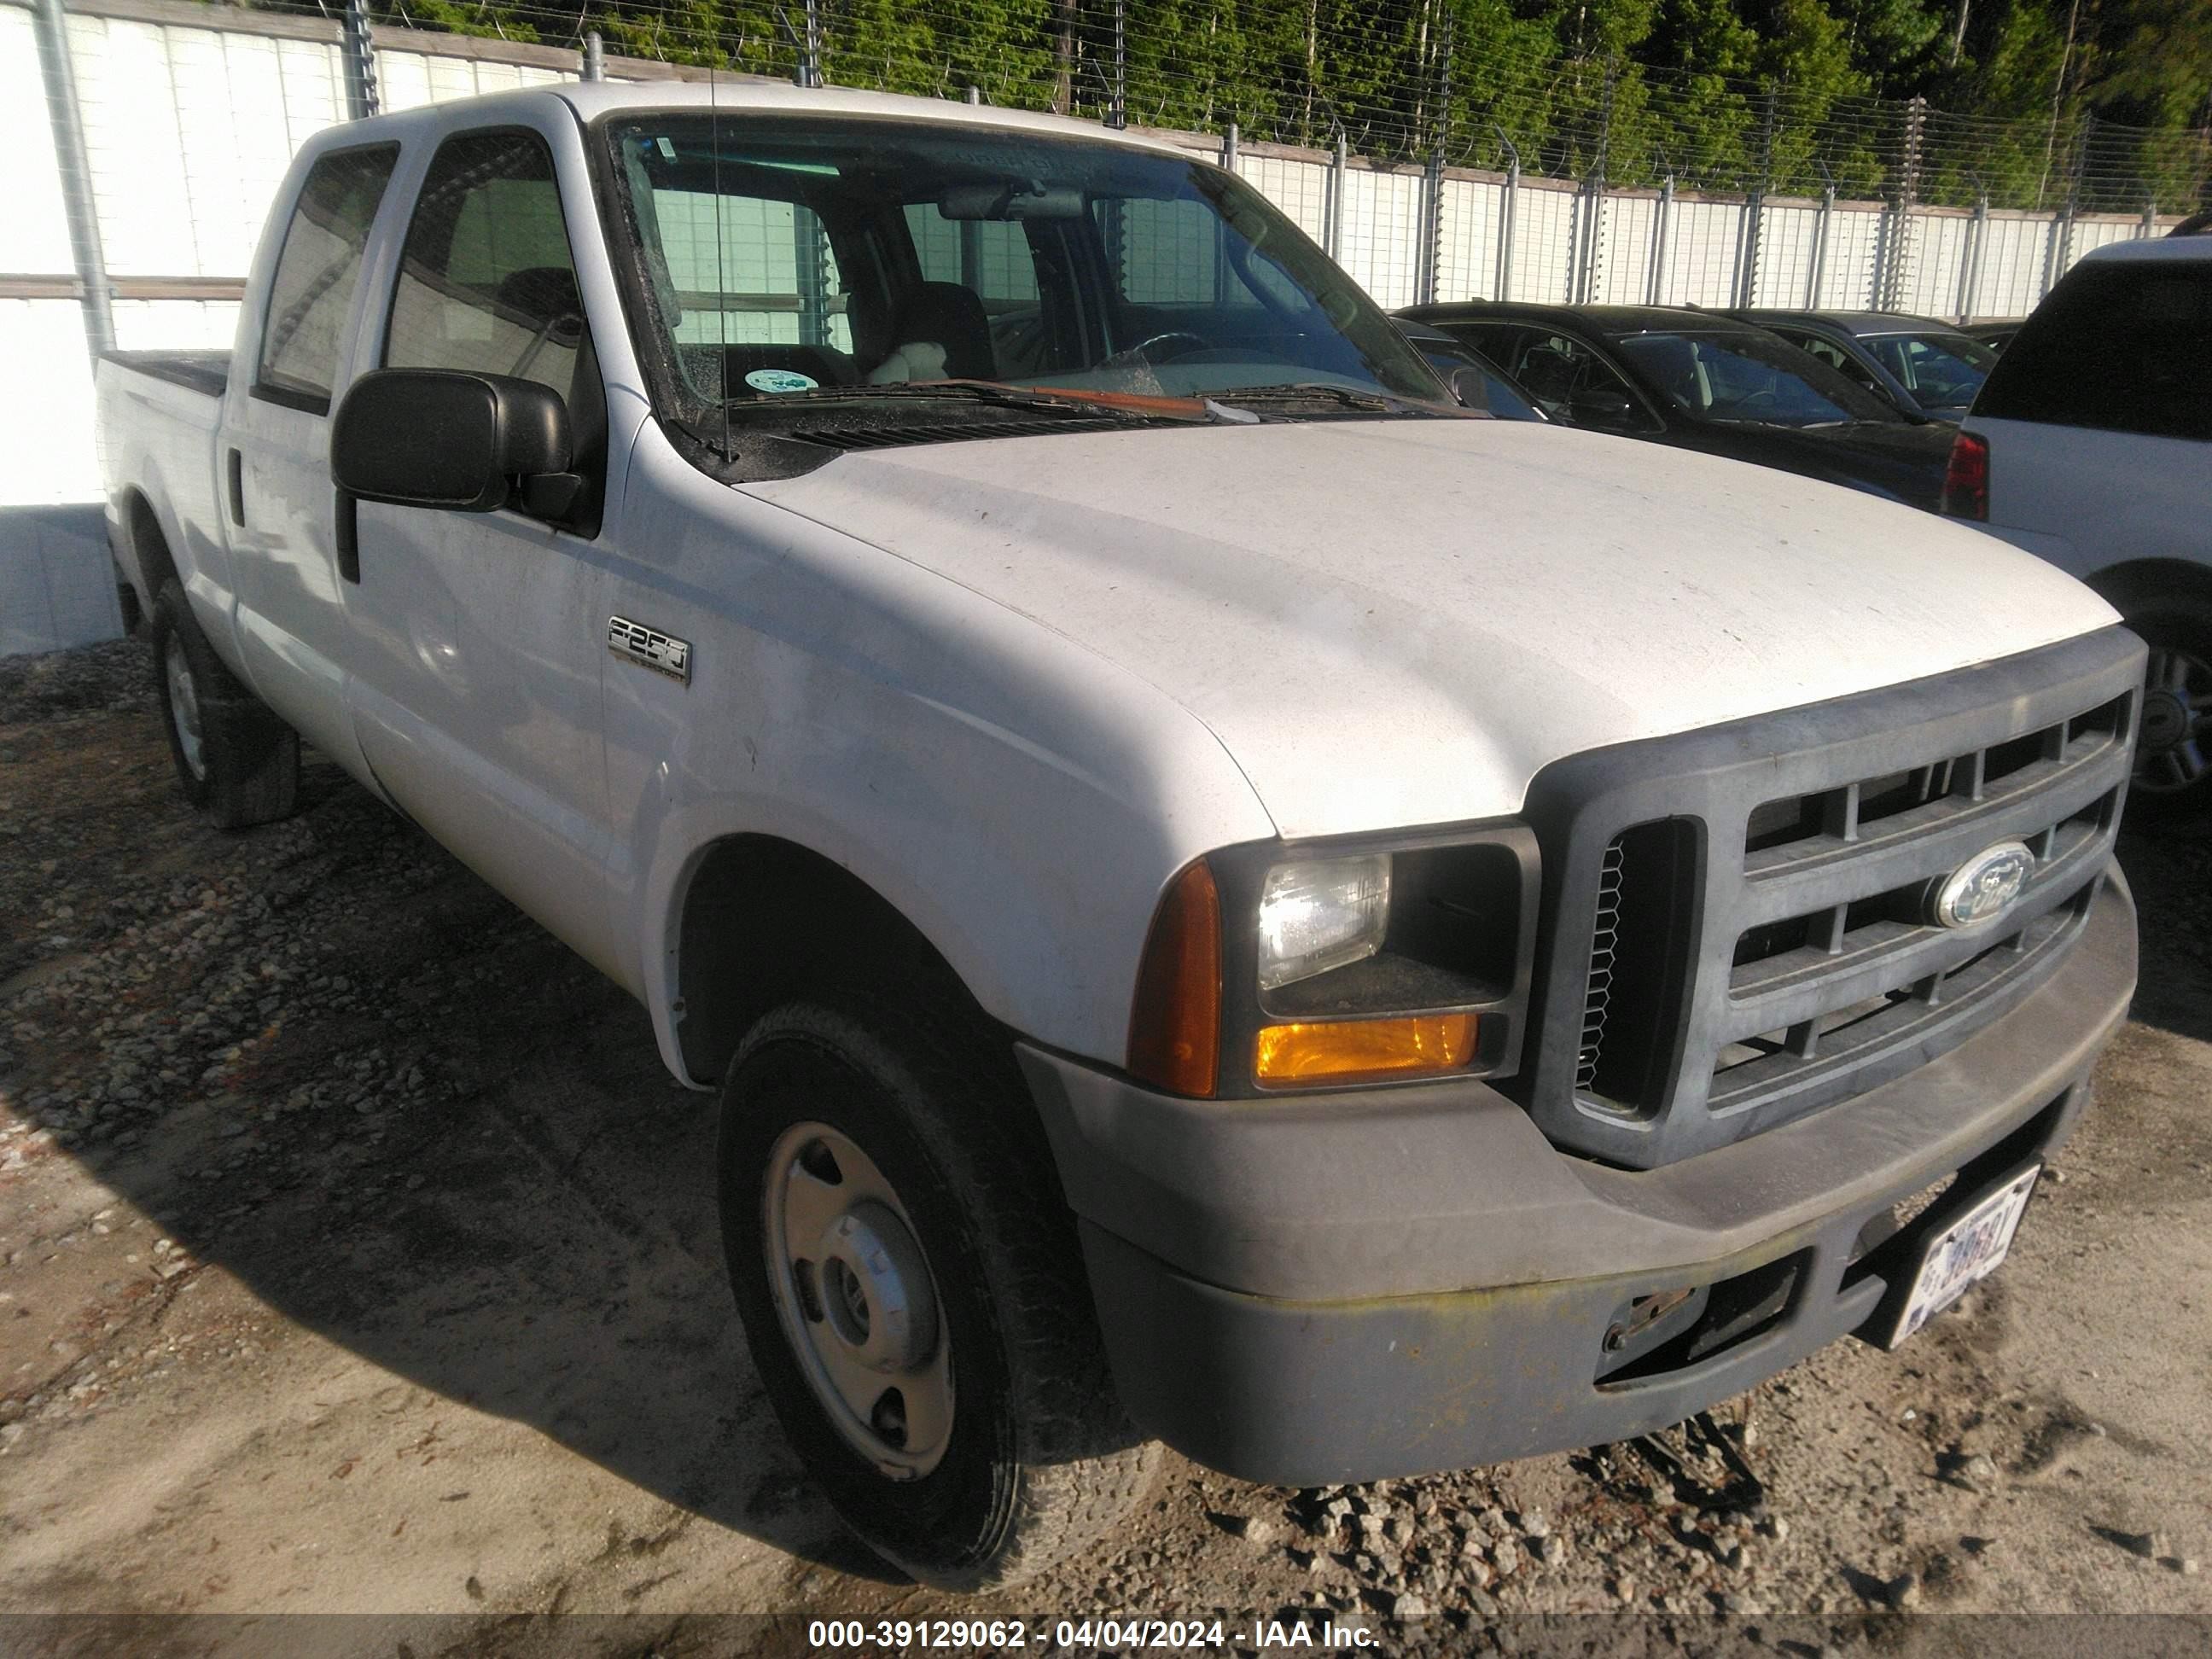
{"x": 1309, "y": 391}
{"x": 1128, "y": 406}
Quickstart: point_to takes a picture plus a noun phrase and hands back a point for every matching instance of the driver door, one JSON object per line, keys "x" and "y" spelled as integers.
{"x": 478, "y": 637}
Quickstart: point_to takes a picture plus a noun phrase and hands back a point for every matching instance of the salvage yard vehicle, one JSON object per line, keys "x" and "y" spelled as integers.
{"x": 1476, "y": 381}
{"x": 1227, "y": 901}
{"x": 2092, "y": 446}
{"x": 1925, "y": 367}
{"x": 1700, "y": 380}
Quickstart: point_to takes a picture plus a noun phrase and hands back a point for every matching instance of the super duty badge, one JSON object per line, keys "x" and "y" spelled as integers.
{"x": 662, "y": 653}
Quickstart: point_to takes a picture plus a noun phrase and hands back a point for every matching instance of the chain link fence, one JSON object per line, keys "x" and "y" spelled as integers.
{"x": 1398, "y": 86}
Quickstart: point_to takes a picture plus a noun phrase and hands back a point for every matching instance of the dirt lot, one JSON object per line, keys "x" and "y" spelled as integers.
{"x": 356, "y": 1256}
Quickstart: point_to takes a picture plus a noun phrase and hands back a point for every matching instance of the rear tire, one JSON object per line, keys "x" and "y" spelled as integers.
{"x": 946, "y": 1158}
{"x": 236, "y": 761}
{"x": 2173, "y": 784}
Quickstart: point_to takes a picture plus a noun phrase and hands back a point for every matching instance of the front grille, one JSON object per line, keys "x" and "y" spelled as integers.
{"x": 1597, "y": 993}
{"x": 1753, "y": 901}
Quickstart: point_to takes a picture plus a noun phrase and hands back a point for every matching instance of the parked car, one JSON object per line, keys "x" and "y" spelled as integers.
{"x": 1698, "y": 380}
{"x": 2092, "y": 446}
{"x": 1996, "y": 336}
{"x": 1494, "y": 392}
{"x": 1923, "y": 366}
{"x": 1224, "y": 901}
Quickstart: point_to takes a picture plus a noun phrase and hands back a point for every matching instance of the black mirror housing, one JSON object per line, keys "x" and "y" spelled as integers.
{"x": 444, "y": 438}
{"x": 1604, "y": 408}
{"x": 1470, "y": 388}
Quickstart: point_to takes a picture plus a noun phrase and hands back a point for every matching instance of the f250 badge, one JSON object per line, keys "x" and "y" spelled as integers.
{"x": 662, "y": 653}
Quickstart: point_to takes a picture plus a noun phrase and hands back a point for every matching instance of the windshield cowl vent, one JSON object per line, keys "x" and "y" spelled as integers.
{"x": 899, "y": 436}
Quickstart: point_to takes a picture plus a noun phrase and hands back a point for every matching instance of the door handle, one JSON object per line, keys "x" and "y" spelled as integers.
{"x": 235, "y": 464}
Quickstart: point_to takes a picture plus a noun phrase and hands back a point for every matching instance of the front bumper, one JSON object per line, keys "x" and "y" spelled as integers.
{"x": 1357, "y": 1286}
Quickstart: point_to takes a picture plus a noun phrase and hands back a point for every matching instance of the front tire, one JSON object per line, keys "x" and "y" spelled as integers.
{"x": 2173, "y": 784}
{"x": 914, "y": 1295}
{"x": 236, "y": 761}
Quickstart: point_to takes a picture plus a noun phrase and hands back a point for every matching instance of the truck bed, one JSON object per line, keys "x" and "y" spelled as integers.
{"x": 205, "y": 371}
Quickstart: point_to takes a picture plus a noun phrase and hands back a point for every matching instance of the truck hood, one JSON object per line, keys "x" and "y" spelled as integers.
{"x": 1399, "y": 622}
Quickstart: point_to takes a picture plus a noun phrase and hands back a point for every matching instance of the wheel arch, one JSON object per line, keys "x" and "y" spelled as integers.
{"x": 2139, "y": 583}
{"x": 762, "y": 919}
{"x": 152, "y": 562}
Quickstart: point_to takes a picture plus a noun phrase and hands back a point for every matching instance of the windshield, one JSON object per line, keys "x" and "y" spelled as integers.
{"x": 1941, "y": 371}
{"x": 1747, "y": 379}
{"x": 787, "y": 265}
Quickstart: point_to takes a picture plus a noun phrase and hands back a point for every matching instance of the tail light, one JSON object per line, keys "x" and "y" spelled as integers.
{"x": 1967, "y": 478}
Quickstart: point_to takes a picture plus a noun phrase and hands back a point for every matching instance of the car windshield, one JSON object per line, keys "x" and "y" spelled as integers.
{"x": 785, "y": 265}
{"x": 1747, "y": 379}
{"x": 1942, "y": 371}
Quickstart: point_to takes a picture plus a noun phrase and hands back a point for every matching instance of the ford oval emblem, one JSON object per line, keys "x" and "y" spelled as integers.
{"x": 1984, "y": 886}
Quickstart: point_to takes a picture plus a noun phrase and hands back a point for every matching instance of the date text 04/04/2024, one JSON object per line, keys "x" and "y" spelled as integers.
{"x": 1082, "y": 1635}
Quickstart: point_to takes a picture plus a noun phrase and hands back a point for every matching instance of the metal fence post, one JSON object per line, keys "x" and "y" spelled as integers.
{"x": 1430, "y": 255}
{"x": 2151, "y": 219}
{"x": 360, "y": 56}
{"x": 86, "y": 252}
{"x": 1338, "y": 169}
{"x": 2059, "y": 252}
{"x": 1117, "y": 115}
{"x": 1818, "y": 273}
{"x": 1655, "y": 289}
{"x": 1505, "y": 220}
{"x": 1970, "y": 264}
{"x": 1754, "y": 213}
{"x": 1229, "y": 147}
{"x": 1583, "y": 289}
{"x": 595, "y": 57}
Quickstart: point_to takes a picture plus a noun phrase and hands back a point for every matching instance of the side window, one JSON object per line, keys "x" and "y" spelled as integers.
{"x": 1166, "y": 253}
{"x": 1848, "y": 366}
{"x": 990, "y": 256}
{"x": 772, "y": 280}
{"x": 1829, "y": 353}
{"x": 486, "y": 280}
{"x": 1573, "y": 384}
{"x": 311, "y": 292}
{"x": 1175, "y": 251}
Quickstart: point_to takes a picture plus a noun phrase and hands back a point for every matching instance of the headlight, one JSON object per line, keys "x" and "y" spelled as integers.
{"x": 1321, "y": 914}
{"x": 1369, "y": 962}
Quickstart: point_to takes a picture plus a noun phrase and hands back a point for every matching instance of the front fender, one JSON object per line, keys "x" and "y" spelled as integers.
{"x": 1020, "y": 801}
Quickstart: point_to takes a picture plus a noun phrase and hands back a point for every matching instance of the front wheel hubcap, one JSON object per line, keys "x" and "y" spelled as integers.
{"x": 184, "y": 707}
{"x": 2177, "y": 722}
{"x": 857, "y": 1301}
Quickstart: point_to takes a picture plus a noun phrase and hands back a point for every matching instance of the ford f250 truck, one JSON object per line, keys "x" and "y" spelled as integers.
{"x": 1227, "y": 901}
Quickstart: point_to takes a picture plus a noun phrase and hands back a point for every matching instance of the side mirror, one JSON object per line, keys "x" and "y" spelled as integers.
{"x": 1608, "y": 409}
{"x": 443, "y": 438}
{"x": 1470, "y": 388}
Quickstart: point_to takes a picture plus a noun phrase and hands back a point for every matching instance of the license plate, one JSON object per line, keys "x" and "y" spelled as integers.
{"x": 1968, "y": 1250}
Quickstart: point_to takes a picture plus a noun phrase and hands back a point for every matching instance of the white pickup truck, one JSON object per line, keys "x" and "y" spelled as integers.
{"x": 1226, "y": 900}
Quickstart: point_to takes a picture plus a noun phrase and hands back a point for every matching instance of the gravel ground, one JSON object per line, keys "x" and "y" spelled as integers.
{"x": 353, "y": 1257}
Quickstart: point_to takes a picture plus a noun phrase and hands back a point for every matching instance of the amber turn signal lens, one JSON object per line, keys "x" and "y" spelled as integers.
{"x": 1360, "y": 1050}
{"x": 1174, "y": 1023}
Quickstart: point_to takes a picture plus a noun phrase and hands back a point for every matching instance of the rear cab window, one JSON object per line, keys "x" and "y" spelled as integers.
{"x": 317, "y": 269}
{"x": 2119, "y": 346}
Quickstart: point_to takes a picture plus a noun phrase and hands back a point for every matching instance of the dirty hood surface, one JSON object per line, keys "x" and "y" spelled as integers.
{"x": 1398, "y": 623}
